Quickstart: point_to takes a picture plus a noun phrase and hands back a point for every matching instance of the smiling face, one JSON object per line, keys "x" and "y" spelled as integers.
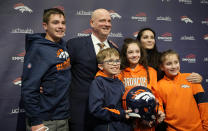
{"x": 101, "y": 24}
{"x": 133, "y": 54}
{"x": 55, "y": 28}
{"x": 110, "y": 66}
{"x": 171, "y": 65}
{"x": 148, "y": 39}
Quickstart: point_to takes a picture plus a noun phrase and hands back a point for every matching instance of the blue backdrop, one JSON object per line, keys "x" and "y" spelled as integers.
{"x": 181, "y": 25}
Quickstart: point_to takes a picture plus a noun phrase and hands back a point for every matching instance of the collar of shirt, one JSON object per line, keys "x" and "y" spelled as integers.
{"x": 95, "y": 42}
{"x": 176, "y": 78}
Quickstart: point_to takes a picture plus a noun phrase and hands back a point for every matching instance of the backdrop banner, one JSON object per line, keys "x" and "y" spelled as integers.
{"x": 181, "y": 25}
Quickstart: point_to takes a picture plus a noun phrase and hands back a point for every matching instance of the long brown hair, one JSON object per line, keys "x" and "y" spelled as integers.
{"x": 143, "y": 59}
{"x": 153, "y": 55}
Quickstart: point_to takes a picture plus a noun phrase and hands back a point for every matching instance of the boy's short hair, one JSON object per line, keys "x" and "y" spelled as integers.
{"x": 48, "y": 12}
{"x": 168, "y": 52}
{"x": 108, "y": 52}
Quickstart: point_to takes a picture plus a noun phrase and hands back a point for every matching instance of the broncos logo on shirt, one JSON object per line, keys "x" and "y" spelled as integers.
{"x": 63, "y": 55}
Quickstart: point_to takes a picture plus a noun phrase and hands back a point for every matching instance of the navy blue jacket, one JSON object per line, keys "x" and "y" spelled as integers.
{"x": 84, "y": 64}
{"x": 105, "y": 104}
{"x": 47, "y": 65}
{"x": 84, "y": 69}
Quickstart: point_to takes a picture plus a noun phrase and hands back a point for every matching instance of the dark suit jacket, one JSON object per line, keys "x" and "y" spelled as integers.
{"x": 84, "y": 68}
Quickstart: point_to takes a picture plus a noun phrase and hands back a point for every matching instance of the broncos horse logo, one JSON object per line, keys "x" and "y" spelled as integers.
{"x": 22, "y": 8}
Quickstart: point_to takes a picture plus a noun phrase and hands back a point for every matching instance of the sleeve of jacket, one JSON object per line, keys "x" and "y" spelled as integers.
{"x": 71, "y": 49}
{"x": 202, "y": 100}
{"x": 97, "y": 106}
{"x": 154, "y": 88}
{"x": 161, "y": 95}
{"x": 35, "y": 65}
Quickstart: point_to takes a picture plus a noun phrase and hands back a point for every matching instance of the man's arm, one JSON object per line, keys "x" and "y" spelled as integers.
{"x": 195, "y": 78}
{"x": 34, "y": 68}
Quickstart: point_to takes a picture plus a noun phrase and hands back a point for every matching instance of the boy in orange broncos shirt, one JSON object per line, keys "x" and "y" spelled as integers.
{"x": 186, "y": 105}
{"x": 105, "y": 94}
{"x": 136, "y": 72}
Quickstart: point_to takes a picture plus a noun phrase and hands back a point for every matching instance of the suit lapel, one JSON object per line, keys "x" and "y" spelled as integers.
{"x": 90, "y": 47}
{"x": 112, "y": 44}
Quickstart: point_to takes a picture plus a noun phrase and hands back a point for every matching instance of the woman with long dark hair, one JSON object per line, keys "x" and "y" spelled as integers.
{"x": 146, "y": 37}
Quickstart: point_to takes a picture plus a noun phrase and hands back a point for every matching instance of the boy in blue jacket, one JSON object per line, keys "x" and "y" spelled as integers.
{"x": 47, "y": 65}
{"x": 105, "y": 94}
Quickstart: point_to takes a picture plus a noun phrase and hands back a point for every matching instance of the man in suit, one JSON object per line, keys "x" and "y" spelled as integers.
{"x": 83, "y": 52}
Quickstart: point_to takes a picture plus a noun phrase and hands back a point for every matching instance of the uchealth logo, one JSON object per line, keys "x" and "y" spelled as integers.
{"x": 164, "y": 18}
{"x": 17, "y": 110}
{"x": 188, "y": 2}
{"x": 166, "y": 37}
{"x": 19, "y": 57}
{"x": 204, "y": 1}
{"x": 187, "y": 38}
{"x": 186, "y": 19}
{"x": 114, "y": 15}
{"x": 22, "y": 8}
{"x": 17, "y": 81}
{"x": 205, "y": 59}
{"x": 118, "y": 35}
{"x": 190, "y": 58}
{"x": 205, "y": 21}
{"x": 165, "y": 0}
{"x": 22, "y": 31}
{"x": 141, "y": 17}
{"x": 206, "y": 37}
{"x": 82, "y": 12}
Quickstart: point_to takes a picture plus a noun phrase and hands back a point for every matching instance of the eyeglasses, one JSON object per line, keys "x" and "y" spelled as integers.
{"x": 111, "y": 62}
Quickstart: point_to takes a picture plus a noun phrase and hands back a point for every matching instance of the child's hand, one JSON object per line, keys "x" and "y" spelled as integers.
{"x": 41, "y": 90}
{"x": 148, "y": 124}
{"x": 161, "y": 116}
{"x": 127, "y": 111}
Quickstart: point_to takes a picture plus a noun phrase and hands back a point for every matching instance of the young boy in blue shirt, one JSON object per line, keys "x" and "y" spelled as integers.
{"x": 105, "y": 95}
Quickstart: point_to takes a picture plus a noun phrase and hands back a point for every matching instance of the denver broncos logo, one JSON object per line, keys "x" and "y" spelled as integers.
{"x": 113, "y": 14}
{"x": 185, "y": 86}
{"x": 22, "y": 8}
{"x": 186, "y": 19}
{"x": 142, "y": 94}
{"x": 142, "y": 102}
{"x": 206, "y": 37}
{"x": 17, "y": 81}
{"x": 62, "y": 54}
{"x": 135, "y": 34}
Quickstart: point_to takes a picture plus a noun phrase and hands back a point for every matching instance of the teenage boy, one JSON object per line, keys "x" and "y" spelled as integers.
{"x": 47, "y": 65}
{"x": 105, "y": 94}
{"x": 185, "y": 104}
